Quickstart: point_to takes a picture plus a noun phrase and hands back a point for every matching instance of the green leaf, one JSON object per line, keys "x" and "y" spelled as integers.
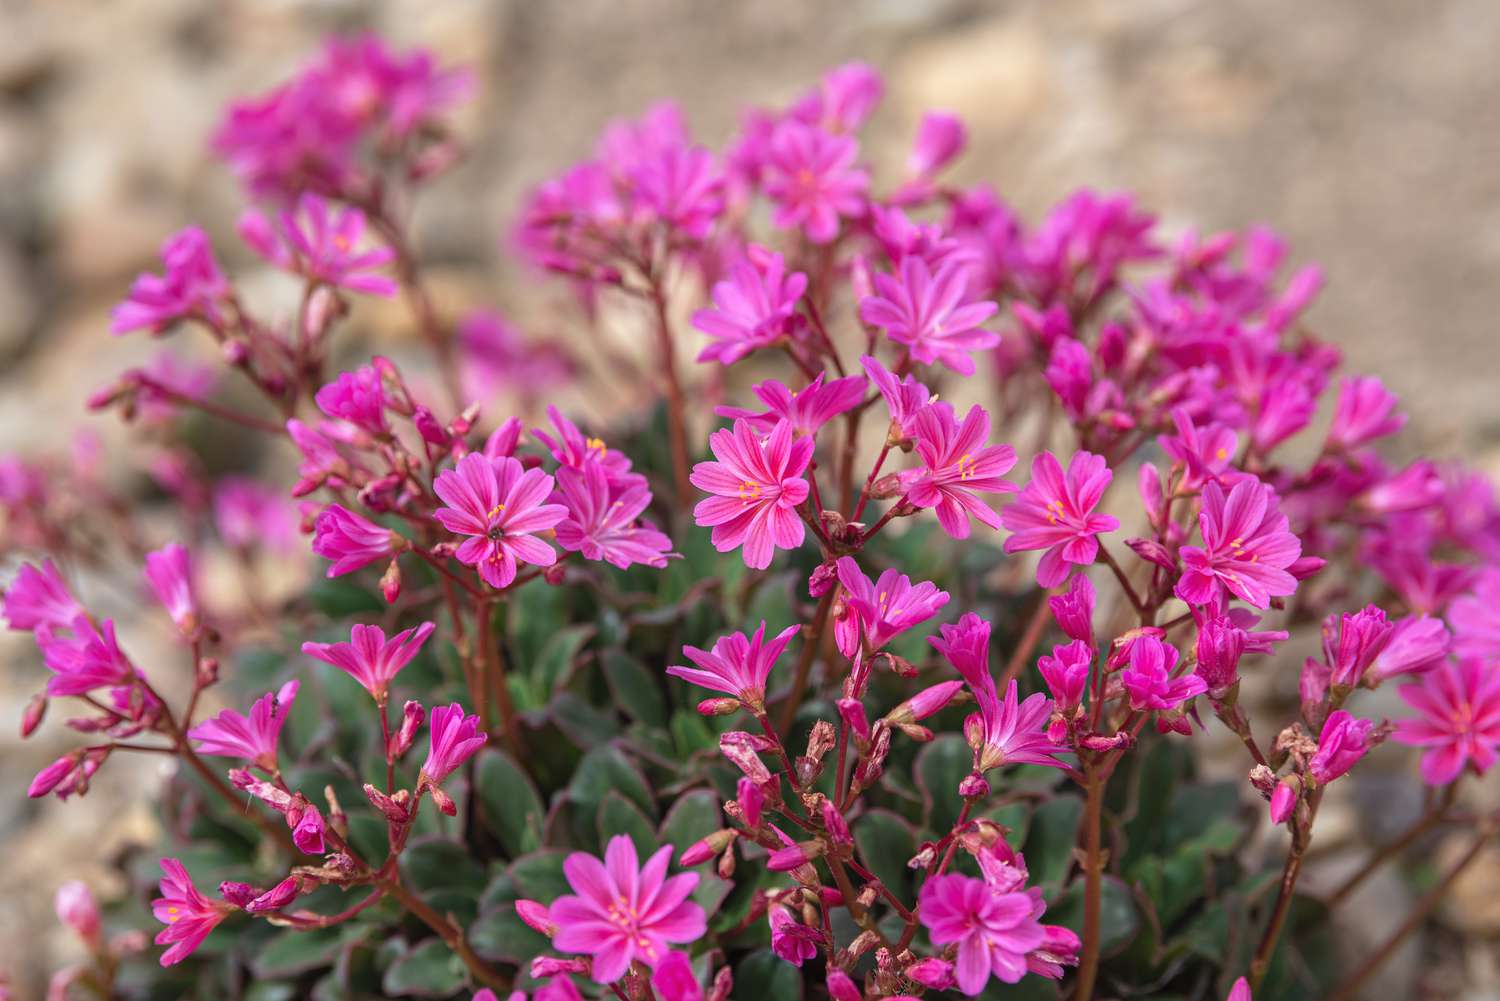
{"x": 510, "y": 803}
{"x": 1050, "y": 839}
{"x": 886, "y": 843}
{"x": 1118, "y": 918}
{"x": 763, "y": 976}
{"x": 634, "y": 688}
{"x": 618, "y": 815}
{"x": 690, "y": 734}
{"x": 539, "y": 876}
{"x": 500, "y": 936}
{"x": 607, "y": 768}
{"x": 694, "y": 816}
{"x": 439, "y": 864}
{"x": 581, "y": 722}
{"x": 941, "y": 766}
{"x": 431, "y": 970}
{"x": 555, "y": 662}
{"x": 293, "y": 952}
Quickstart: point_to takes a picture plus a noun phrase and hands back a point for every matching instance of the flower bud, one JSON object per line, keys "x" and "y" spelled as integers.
{"x": 900, "y": 665}
{"x": 852, "y": 712}
{"x": 536, "y": 916}
{"x": 543, "y": 967}
{"x": 428, "y": 427}
{"x": 77, "y": 909}
{"x": 276, "y": 897}
{"x": 974, "y": 786}
{"x": 555, "y": 574}
{"x": 390, "y": 582}
{"x": 1283, "y": 801}
{"x": 924, "y": 703}
{"x": 841, "y": 988}
{"x": 723, "y": 985}
{"x": 238, "y": 894}
{"x": 706, "y": 848}
{"x": 719, "y": 707}
{"x": 32, "y": 717}
{"x": 674, "y": 979}
{"x": 392, "y": 810}
{"x": 932, "y": 972}
{"x": 725, "y": 867}
{"x": 836, "y": 826}
{"x": 412, "y": 715}
{"x": 822, "y": 579}
{"x": 48, "y": 778}
{"x": 443, "y": 800}
{"x": 887, "y": 487}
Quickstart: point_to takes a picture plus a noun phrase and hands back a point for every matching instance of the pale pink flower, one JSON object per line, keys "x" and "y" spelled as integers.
{"x": 369, "y": 658}
{"x": 620, "y": 911}
{"x": 501, "y": 506}
{"x": 757, "y": 488}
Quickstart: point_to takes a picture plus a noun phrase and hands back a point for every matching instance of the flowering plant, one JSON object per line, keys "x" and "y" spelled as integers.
{"x": 705, "y": 705}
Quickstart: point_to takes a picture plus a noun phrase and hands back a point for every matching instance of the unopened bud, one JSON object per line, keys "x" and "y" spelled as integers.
{"x": 535, "y": 916}
{"x": 390, "y": 582}
{"x": 31, "y": 718}
{"x": 719, "y": 707}
{"x": 974, "y": 786}
{"x": 388, "y": 807}
{"x": 443, "y": 800}
{"x": 207, "y": 673}
{"x": 925, "y": 702}
{"x": 725, "y": 867}
{"x": 555, "y": 574}
{"x": 412, "y": 715}
{"x": 900, "y": 665}
{"x": 706, "y": 848}
{"x": 887, "y": 487}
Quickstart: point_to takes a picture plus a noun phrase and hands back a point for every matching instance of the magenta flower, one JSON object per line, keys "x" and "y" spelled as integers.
{"x": 928, "y": 313}
{"x": 1352, "y": 642}
{"x": 601, "y": 521}
{"x": 806, "y": 409}
{"x": 682, "y": 188}
{"x": 350, "y": 540}
{"x": 877, "y": 613}
{"x": 188, "y": 915}
{"x": 957, "y": 462}
{"x": 1074, "y": 610}
{"x": 1459, "y": 709}
{"x": 813, "y": 179}
{"x": 757, "y": 488}
{"x": 1205, "y": 453}
{"x": 1365, "y": 411}
{"x": 356, "y": 397}
{"x": 1066, "y": 672}
{"x": 940, "y": 138}
{"x": 369, "y": 658}
{"x": 319, "y": 242}
{"x": 1055, "y": 513}
{"x": 904, "y": 398}
{"x": 190, "y": 287}
{"x": 89, "y": 659}
{"x": 1475, "y": 618}
{"x": 1003, "y": 732}
{"x": 620, "y": 911}
{"x": 1417, "y": 645}
{"x": 1149, "y": 679}
{"x": 496, "y": 356}
{"x": 994, "y": 931}
{"x": 1246, "y": 547}
{"x": 230, "y": 735}
{"x": 1343, "y": 741}
{"x": 169, "y": 572}
{"x": 500, "y": 506}
{"x": 755, "y": 307}
{"x": 453, "y": 738}
{"x": 39, "y": 597}
{"x": 791, "y": 940}
{"x": 1239, "y": 991}
{"x": 737, "y": 666}
{"x": 843, "y": 100}
{"x": 572, "y": 448}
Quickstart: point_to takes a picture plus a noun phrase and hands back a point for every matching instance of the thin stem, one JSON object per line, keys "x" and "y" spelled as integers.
{"x": 1434, "y": 816}
{"x": 805, "y": 659}
{"x": 409, "y": 275}
{"x": 1029, "y": 639}
{"x": 1378, "y": 956}
{"x": 208, "y": 406}
{"x": 1093, "y": 886}
{"x": 449, "y": 932}
{"x": 864, "y": 495}
{"x": 1125, "y": 584}
{"x": 676, "y": 406}
{"x": 1289, "y": 873}
{"x": 492, "y": 681}
{"x": 385, "y": 744}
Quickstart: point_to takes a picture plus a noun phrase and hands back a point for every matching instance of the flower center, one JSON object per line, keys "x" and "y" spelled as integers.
{"x": 967, "y": 467}
{"x": 749, "y": 491}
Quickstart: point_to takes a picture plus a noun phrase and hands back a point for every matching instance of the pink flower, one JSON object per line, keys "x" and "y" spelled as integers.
{"x": 755, "y": 307}
{"x": 620, "y": 911}
{"x": 792, "y": 940}
{"x": 877, "y": 613}
{"x": 1066, "y": 672}
{"x": 957, "y": 463}
{"x": 1149, "y": 679}
{"x": 1352, "y": 642}
{"x": 737, "y": 666}
{"x": 39, "y": 597}
{"x": 1283, "y": 802}
{"x": 812, "y": 177}
{"x": 170, "y": 574}
{"x": 231, "y": 735}
{"x": 1475, "y": 618}
{"x": 356, "y": 397}
{"x": 1417, "y": 645}
{"x": 904, "y": 398}
{"x": 1459, "y": 709}
{"x": 994, "y": 931}
{"x": 191, "y": 286}
{"x": 928, "y": 313}
{"x": 453, "y": 738}
{"x": 1003, "y": 732}
{"x": 1204, "y": 453}
{"x": 350, "y": 540}
{"x": 1365, "y": 411}
{"x": 1054, "y": 513}
{"x": 1342, "y": 742}
{"x": 1246, "y": 547}
{"x": 1070, "y": 373}
{"x": 76, "y": 908}
{"x": 844, "y": 99}
{"x": 1074, "y": 610}
{"x": 89, "y": 659}
{"x": 681, "y": 187}
{"x": 369, "y": 658}
{"x": 497, "y": 357}
{"x": 319, "y": 242}
{"x": 940, "y": 138}
{"x": 806, "y": 409}
{"x": 601, "y": 521}
{"x": 1239, "y": 991}
{"x": 757, "y": 487}
{"x": 501, "y": 507}
{"x": 674, "y": 979}
{"x": 188, "y": 914}
{"x": 572, "y": 448}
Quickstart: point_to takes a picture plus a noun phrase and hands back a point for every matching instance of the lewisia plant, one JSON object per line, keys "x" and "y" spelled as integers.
{"x": 888, "y": 676}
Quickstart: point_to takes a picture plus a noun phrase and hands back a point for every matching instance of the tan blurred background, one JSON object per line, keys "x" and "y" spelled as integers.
{"x": 1367, "y": 131}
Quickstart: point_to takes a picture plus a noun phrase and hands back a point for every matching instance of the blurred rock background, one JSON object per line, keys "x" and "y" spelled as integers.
{"x": 1367, "y": 131}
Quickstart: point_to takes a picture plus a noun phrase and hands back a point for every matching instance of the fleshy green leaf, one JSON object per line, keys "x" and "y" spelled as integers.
{"x": 634, "y": 688}
{"x": 886, "y": 843}
{"x": 607, "y": 768}
{"x": 510, "y": 803}
{"x": 1050, "y": 839}
{"x": 539, "y": 876}
{"x": 618, "y": 815}
{"x": 431, "y": 970}
{"x": 941, "y": 766}
{"x": 763, "y": 975}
